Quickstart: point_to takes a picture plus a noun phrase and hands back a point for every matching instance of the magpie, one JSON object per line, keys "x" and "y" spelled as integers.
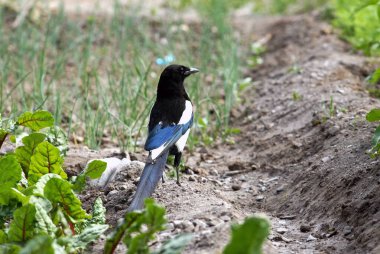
{"x": 169, "y": 126}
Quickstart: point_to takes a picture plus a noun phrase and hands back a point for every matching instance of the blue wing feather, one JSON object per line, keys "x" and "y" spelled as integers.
{"x": 166, "y": 134}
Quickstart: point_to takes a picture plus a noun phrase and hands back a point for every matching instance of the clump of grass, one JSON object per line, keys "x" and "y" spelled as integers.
{"x": 98, "y": 74}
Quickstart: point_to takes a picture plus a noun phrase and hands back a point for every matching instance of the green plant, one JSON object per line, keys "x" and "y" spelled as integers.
{"x": 39, "y": 209}
{"x": 359, "y": 23}
{"x": 287, "y": 6}
{"x": 296, "y": 96}
{"x": 248, "y": 237}
{"x": 257, "y": 49}
{"x": 138, "y": 228}
{"x": 374, "y": 116}
{"x": 332, "y": 110}
{"x": 373, "y": 83}
{"x": 100, "y": 81}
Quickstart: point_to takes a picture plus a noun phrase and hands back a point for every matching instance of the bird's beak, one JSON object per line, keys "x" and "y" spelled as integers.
{"x": 191, "y": 71}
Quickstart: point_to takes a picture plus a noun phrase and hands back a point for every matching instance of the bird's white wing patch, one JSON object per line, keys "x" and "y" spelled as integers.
{"x": 156, "y": 152}
{"x": 187, "y": 113}
{"x": 180, "y": 144}
{"x": 185, "y": 118}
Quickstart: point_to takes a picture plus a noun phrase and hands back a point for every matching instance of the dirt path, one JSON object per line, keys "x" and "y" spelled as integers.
{"x": 301, "y": 157}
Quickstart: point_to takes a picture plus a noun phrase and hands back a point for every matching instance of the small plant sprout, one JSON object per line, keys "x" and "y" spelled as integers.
{"x": 296, "y": 96}
{"x": 374, "y": 116}
{"x": 331, "y": 107}
{"x": 257, "y": 49}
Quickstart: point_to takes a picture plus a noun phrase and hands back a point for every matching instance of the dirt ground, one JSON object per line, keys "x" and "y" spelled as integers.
{"x": 300, "y": 158}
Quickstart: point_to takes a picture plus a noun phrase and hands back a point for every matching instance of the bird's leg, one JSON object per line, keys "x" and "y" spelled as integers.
{"x": 177, "y": 160}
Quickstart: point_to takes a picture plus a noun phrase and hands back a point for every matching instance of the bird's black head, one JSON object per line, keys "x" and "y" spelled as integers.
{"x": 172, "y": 78}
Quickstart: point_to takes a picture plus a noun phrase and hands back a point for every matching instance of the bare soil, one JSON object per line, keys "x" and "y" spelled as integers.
{"x": 300, "y": 158}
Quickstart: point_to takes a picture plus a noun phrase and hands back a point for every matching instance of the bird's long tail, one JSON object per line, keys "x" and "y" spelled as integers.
{"x": 150, "y": 176}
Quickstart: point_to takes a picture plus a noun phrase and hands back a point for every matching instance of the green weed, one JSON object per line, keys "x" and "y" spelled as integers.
{"x": 374, "y": 116}
{"x": 42, "y": 209}
{"x": 98, "y": 75}
{"x": 296, "y": 96}
{"x": 359, "y": 23}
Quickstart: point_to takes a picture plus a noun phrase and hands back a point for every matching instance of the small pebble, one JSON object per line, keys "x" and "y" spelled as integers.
{"x": 236, "y": 187}
{"x": 177, "y": 224}
{"x": 187, "y": 225}
{"x": 199, "y": 224}
{"x": 170, "y": 226}
{"x": 112, "y": 193}
{"x": 281, "y": 230}
{"x": 225, "y": 218}
{"x": 214, "y": 172}
{"x": 310, "y": 238}
{"x": 259, "y": 198}
{"x": 325, "y": 159}
{"x": 305, "y": 228}
{"x": 192, "y": 178}
{"x": 280, "y": 189}
{"x": 347, "y": 230}
{"x": 202, "y": 180}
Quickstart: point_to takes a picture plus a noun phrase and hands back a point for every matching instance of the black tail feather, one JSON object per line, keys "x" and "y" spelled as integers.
{"x": 150, "y": 176}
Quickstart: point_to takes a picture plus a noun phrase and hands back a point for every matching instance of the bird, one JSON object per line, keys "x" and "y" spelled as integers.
{"x": 168, "y": 130}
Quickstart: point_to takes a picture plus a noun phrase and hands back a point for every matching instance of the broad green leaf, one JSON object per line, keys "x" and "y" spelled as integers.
{"x": 98, "y": 216}
{"x": 365, "y": 4}
{"x": 136, "y": 239}
{"x": 39, "y": 244}
{"x": 175, "y": 245}
{"x": 46, "y": 159}
{"x": 22, "y": 226}
{"x": 59, "y": 191}
{"x": 80, "y": 241}
{"x": 40, "y": 185}
{"x": 248, "y": 237}
{"x": 79, "y": 183}
{"x": 138, "y": 243}
{"x": 128, "y": 223}
{"x": 25, "y": 152}
{"x": 57, "y": 137}
{"x": 10, "y": 172}
{"x": 3, "y": 135}
{"x": 19, "y": 196}
{"x": 3, "y": 237}
{"x": 37, "y": 120}
{"x": 9, "y": 248}
{"x": 95, "y": 169}
{"x": 154, "y": 219}
{"x": 373, "y": 115}
{"x": 376, "y": 137}
{"x": 43, "y": 202}
{"x": 375, "y": 142}
{"x": 154, "y": 215}
{"x": 375, "y": 77}
{"x": 44, "y": 223}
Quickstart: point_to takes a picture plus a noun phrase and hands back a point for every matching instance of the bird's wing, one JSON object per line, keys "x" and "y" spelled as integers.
{"x": 162, "y": 137}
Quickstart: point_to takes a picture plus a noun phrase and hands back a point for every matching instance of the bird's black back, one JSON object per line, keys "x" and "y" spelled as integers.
{"x": 171, "y": 98}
